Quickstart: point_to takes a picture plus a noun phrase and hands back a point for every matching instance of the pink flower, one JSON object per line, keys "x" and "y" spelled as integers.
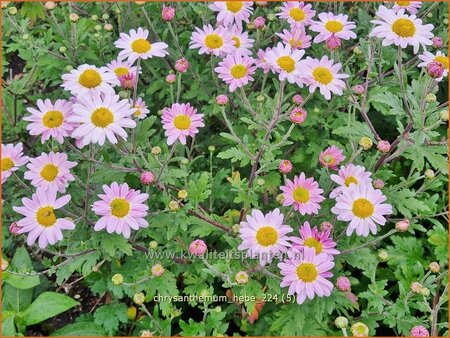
{"x": 121, "y": 209}
{"x": 127, "y": 81}
{"x": 285, "y": 61}
{"x": 198, "y": 247}
{"x": 384, "y": 146}
{"x": 306, "y": 274}
{"x": 419, "y": 331}
{"x": 416, "y": 287}
{"x": 331, "y": 157}
{"x": 259, "y": 22}
{"x": 333, "y": 42}
{"x": 157, "y": 270}
{"x": 358, "y": 89}
{"x": 236, "y": 70}
{"x": 326, "y": 226}
{"x": 182, "y": 65}
{"x": 297, "y": 99}
{"x": 304, "y": 193}
{"x": 50, "y": 171}
{"x": 435, "y": 69}
{"x": 14, "y": 228}
{"x": 285, "y": 167}
{"x": 378, "y": 184}
{"x": 298, "y": 115}
{"x": 147, "y": 178}
{"x": 222, "y": 100}
{"x": 321, "y": 241}
{"x": 122, "y": 67}
{"x": 437, "y": 42}
{"x": 12, "y": 159}
{"x": 216, "y": 41}
{"x": 410, "y": 6}
{"x": 241, "y": 41}
{"x": 402, "y": 225}
{"x": 140, "y": 108}
{"x": 262, "y": 61}
{"x": 297, "y": 14}
{"x": 436, "y": 64}
{"x": 168, "y": 13}
{"x": 296, "y": 37}
{"x": 171, "y": 78}
{"x": 343, "y": 283}
{"x": 87, "y": 79}
{"x": 180, "y": 121}
{"x": 232, "y": 11}
{"x": 330, "y": 25}
{"x": 347, "y": 175}
{"x": 40, "y": 220}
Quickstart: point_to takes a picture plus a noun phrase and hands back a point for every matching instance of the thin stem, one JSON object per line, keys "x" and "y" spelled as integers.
{"x": 376, "y": 240}
{"x": 172, "y": 150}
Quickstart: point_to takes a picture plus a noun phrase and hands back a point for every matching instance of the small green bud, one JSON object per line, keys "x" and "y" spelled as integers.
{"x": 316, "y": 110}
{"x": 94, "y": 17}
{"x": 445, "y": 21}
{"x": 123, "y": 94}
{"x": 98, "y": 27}
{"x": 430, "y": 98}
{"x": 204, "y": 293}
{"x": 12, "y": 10}
{"x": 429, "y": 15}
{"x": 69, "y": 68}
{"x": 156, "y": 150}
{"x": 341, "y": 322}
{"x": 366, "y": 143}
{"x": 271, "y": 17}
{"x": 217, "y": 309}
{"x": 443, "y": 115}
{"x": 105, "y": 16}
{"x": 241, "y": 277}
{"x": 153, "y": 245}
{"x": 260, "y": 182}
{"x": 211, "y": 149}
{"x": 139, "y": 298}
{"x": 429, "y": 174}
{"x": 357, "y": 50}
{"x": 62, "y": 49}
{"x": 117, "y": 279}
{"x": 26, "y": 36}
{"x": 236, "y": 228}
{"x": 383, "y": 256}
{"x": 74, "y": 17}
{"x": 260, "y": 98}
{"x": 425, "y": 292}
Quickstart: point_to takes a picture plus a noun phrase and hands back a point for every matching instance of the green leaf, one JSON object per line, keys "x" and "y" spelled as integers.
{"x": 8, "y": 328}
{"x": 110, "y": 316}
{"x": 110, "y": 243}
{"x": 144, "y": 131}
{"x": 80, "y": 329}
{"x": 199, "y": 190}
{"x": 21, "y": 263}
{"x": 47, "y": 305}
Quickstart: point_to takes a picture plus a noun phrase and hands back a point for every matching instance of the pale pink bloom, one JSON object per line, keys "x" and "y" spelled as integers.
{"x": 410, "y": 6}
{"x": 232, "y": 11}
{"x": 321, "y": 241}
{"x": 128, "y": 81}
{"x": 121, "y": 209}
{"x": 331, "y": 157}
{"x": 296, "y": 37}
{"x": 12, "y": 159}
{"x": 240, "y": 40}
{"x": 180, "y": 121}
{"x": 236, "y": 70}
{"x": 264, "y": 236}
{"x": 435, "y": 70}
{"x": 182, "y": 65}
{"x": 297, "y": 14}
{"x": 168, "y": 13}
{"x": 297, "y": 99}
{"x": 50, "y": 120}
{"x": 147, "y": 177}
{"x": 171, "y": 78}
{"x": 136, "y": 45}
{"x": 304, "y": 193}
{"x": 363, "y": 207}
{"x": 378, "y": 184}
{"x": 222, "y": 100}
{"x": 285, "y": 167}
{"x": 50, "y": 171}
{"x": 416, "y": 287}
{"x": 440, "y": 58}
{"x": 333, "y": 25}
{"x": 384, "y": 146}
{"x": 326, "y": 226}
{"x": 212, "y": 41}
{"x": 87, "y": 79}
{"x": 198, "y": 247}
{"x": 307, "y": 274}
{"x": 157, "y": 270}
{"x": 419, "y": 331}
{"x": 343, "y": 283}
{"x": 122, "y": 67}
{"x": 402, "y": 225}
{"x": 437, "y": 42}
{"x": 14, "y": 229}
{"x": 298, "y": 115}
{"x": 333, "y": 42}
{"x": 262, "y": 61}
{"x": 140, "y": 108}
{"x": 350, "y": 174}
{"x": 40, "y": 220}
{"x": 358, "y": 89}
{"x": 401, "y": 29}
{"x": 286, "y": 62}
{"x": 323, "y": 74}
{"x": 259, "y": 22}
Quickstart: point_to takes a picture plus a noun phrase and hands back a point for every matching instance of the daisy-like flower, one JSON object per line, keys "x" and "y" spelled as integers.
{"x": 440, "y": 57}
{"x": 140, "y": 109}
{"x": 297, "y": 13}
{"x": 135, "y": 45}
{"x": 304, "y": 193}
{"x": 285, "y": 62}
{"x": 100, "y": 117}
{"x": 331, "y": 157}
{"x": 401, "y": 29}
{"x": 333, "y": 25}
{"x": 321, "y": 241}
{"x": 410, "y": 6}
{"x": 50, "y": 120}
{"x": 50, "y": 171}
{"x": 212, "y": 41}
{"x": 307, "y": 274}
{"x": 232, "y": 11}
{"x": 121, "y": 68}
{"x": 363, "y": 207}
{"x": 88, "y": 79}
{"x": 236, "y": 70}
{"x": 264, "y": 236}
{"x": 350, "y": 174}
{"x": 12, "y": 159}
{"x": 121, "y": 209}
{"x": 296, "y": 37}
{"x": 241, "y": 42}
{"x": 180, "y": 121}
{"x": 40, "y": 220}
{"x": 262, "y": 63}
{"x": 323, "y": 74}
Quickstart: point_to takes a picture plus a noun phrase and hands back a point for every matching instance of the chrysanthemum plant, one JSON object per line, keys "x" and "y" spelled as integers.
{"x": 228, "y": 168}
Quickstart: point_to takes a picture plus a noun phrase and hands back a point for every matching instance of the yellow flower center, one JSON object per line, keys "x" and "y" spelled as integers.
{"x": 286, "y": 63}
{"x": 403, "y": 3}
{"x": 404, "y": 28}
{"x": 307, "y": 272}
{"x": 362, "y": 208}
{"x": 45, "y": 216}
{"x": 322, "y": 75}
{"x": 49, "y": 172}
{"x": 102, "y": 117}
{"x": 334, "y": 26}
{"x": 311, "y": 242}
{"x": 141, "y": 46}
{"x": 137, "y": 112}
{"x": 7, "y": 163}
{"x": 234, "y": 6}
{"x": 53, "y": 119}
{"x": 90, "y": 78}
{"x": 349, "y": 180}
{"x": 182, "y": 122}
{"x": 301, "y": 195}
{"x": 266, "y": 236}
{"x": 213, "y": 41}
{"x": 119, "y": 207}
{"x": 297, "y": 14}
{"x": 442, "y": 60}
{"x": 295, "y": 43}
{"x": 238, "y": 71}
{"x": 328, "y": 159}
{"x": 237, "y": 41}
{"x": 121, "y": 71}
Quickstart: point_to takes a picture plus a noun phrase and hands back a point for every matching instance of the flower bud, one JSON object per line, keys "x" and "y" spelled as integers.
{"x": 341, "y": 322}
{"x": 259, "y": 22}
{"x": 357, "y": 50}
{"x": 378, "y": 184}
{"x": 222, "y": 100}
{"x": 5, "y": 264}
{"x": 402, "y": 225}
{"x": 416, "y": 287}
{"x": 384, "y": 146}
{"x": 297, "y": 99}
{"x": 12, "y": 10}
{"x": 430, "y": 98}
{"x": 117, "y": 279}
{"x": 50, "y": 5}
{"x": 260, "y": 98}
{"x": 74, "y": 17}
{"x": 174, "y": 206}
{"x": 198, "y": 247}
{"x": 98, "y": 27}
{"x": 156, "y": 150}
{"x": 437, "y": 42}
{"x": 5, "y": 4}
{"x": 139, "y": 298}
{"x": 261, "y": 3}
{"x": 128, "y": 81}
{"x": 241, "y": 277}
{"x": 236, "y": 228}
{"x": 62, "y": 49}
{"x": 182, "y": 65}
{"x": 123, "y": 94}
{"x": 298, "y": 115}
{"x": 419, "y": 331}
{"x": 182, "y": 194}
{"x": 326, "y": 226}
{"x": 153, "y": 245}
{"x": 250, "y": 26}
{"x": 443, "y": 115}
{"x": 204, "y": 293}
{"x": 211, "y": 149}
{"x": 131, "y": 313}
{"x": 171, "y": 78}
{"x": 280, "y": 199}
{"x": 140, "y": 3}
{"x": 285, "y": 167}
{"x": 108, "y": 27}
{"x": 358, "y": 89}
{"x": 147, "y": 177}
{"x": 359, "y": 330}
{"x": 157, "y": 270}
{"x": 260, "y": 182}
{"x": 69, "y": 68}
{"x": 168, "y": 13}
{"x": 365, "y": 143}
{"x": 383, "y": 256}
{"x": 105, "y": 16}
{"x": 145, "y": 333}
{"x": 445, "y": 21}
{"x": 343, "y": 283}
{"x": 217, "y": 309}
{"x": 435, "y": 70}
{"x": 429, "y": 174}
{"x": 14, "y": 229}
{"x": 425, "y": 292}
{"x": 434, "y": 267}
{"x": 333, "y": 42}
{"x": 271, "y": 17}
{"x": 94, "y": 17}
